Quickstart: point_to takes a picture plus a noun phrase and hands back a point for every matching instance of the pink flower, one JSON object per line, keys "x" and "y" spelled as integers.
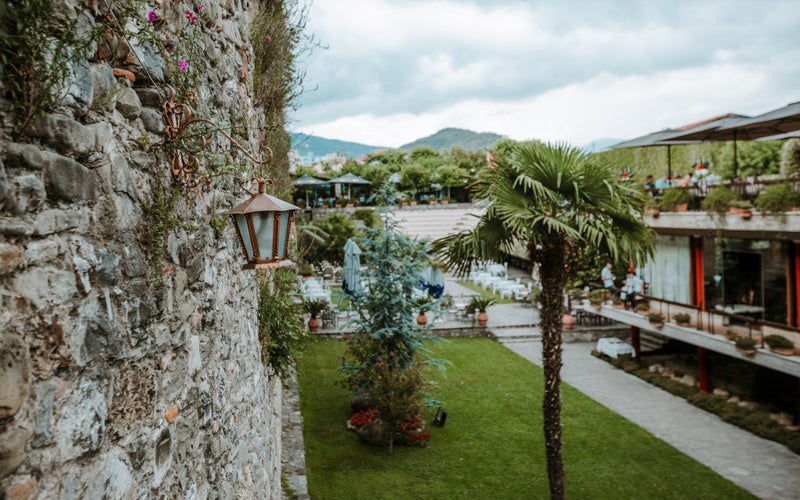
{"x": 191, "y": 17}
{"x": 152, "y": 16}
{"x": 199, "y": 9}
{"x": 183, "y": 65}
{"x": 168, "y": 48}
{"x": 269, "y": 38}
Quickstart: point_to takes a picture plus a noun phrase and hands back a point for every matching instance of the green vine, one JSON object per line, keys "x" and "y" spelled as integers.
{"x": 280, "y": 327}
{"x": 38, "y": 50}
{"x": 162, "y": 219}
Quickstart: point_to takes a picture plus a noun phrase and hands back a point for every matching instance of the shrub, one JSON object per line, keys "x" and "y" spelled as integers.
{"x": 718, "y": 199}
{"x": 745, "y": 343}
{"x": 673, "y": 197}
{"x": 682, "y": 318}
{"x": 778, "y": 341}
{"x": 777, "y": 198}
{"x": 655, "y": 317}
{"x": 369, "y": 216}
{"x": 314, "y": 307}
{"x": 642, "y": 306}
{"x": 741, "y": 204}
{"x": 481, "y": 303}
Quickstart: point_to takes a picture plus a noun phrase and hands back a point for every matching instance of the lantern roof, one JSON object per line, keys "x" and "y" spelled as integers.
{"x": 262, "y": 202}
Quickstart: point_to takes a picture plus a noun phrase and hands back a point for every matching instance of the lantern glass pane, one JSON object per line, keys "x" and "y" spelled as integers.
{"x": 283, "y": 235}
{"x": 262, "y": 223}
{"x": 241, "y": 226}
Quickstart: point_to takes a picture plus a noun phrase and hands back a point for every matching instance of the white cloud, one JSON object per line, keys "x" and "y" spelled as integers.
{"x": 575, "y": 71}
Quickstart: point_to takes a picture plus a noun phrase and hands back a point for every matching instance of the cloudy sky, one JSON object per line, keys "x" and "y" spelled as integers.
{"x": 396, "y": 70}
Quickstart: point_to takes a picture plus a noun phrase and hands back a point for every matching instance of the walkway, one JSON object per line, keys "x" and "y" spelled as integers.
{"x": 762, "y": 467}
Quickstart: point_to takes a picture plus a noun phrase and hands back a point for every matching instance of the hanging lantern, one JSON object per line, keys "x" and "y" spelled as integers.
{"x": 263, "y": 224}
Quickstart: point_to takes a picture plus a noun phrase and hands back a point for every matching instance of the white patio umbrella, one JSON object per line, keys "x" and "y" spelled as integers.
{"x": 351, "y": 272}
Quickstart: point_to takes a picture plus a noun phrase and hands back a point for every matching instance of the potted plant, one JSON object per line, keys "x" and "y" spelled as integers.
{"x": 314, "y": 308}
{"x": 480, "y": 304}
{"x": 780, "y": 344}
{"x": 682, "y": 319}
{"x": 719, "y": 199}
{"x": 617, "y": 303}
{"x": 596, "y": 301}
{"x": 746, "y": 345}
{"x": 651, "y": 207}
{"x": 304, "y": 269}
{"x": 730, "y": 335}
{"x": 675, "y": 200}
{"x": 656, "y": 319}
{"x": 422, "y": 304}
{"x": 777, "y": 198}
{"x": 742, "y": 208}
{"x": 643, "y": 308}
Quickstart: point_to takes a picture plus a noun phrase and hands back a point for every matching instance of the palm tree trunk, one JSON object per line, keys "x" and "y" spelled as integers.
{"x": 553, "y": 276}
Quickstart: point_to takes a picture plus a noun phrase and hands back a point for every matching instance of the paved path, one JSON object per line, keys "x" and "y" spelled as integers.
{"x": 764, "y": 468}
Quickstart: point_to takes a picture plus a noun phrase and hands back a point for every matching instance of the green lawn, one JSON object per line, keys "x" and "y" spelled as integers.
{"x": 492, "y": 445}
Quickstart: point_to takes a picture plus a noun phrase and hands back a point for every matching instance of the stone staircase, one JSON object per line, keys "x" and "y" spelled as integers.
{"x": 436, "y": 221}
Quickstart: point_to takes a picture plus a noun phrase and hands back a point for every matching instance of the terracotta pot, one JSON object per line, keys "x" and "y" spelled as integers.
{"x": 682, "y": 323}
{"x": 483, "y": 318}
{"x": 747, "y": 352}
{"x": 422, "y": 319}
{"x": 784, "y": 351}
{"x": 658, "y": 324}
{"x": 313, "y": 325}
{"x": 653, "y": 212}
{"x": 744, "y": 213}
{"x": 681, "y": 207}
{"x": 568, "y": 321}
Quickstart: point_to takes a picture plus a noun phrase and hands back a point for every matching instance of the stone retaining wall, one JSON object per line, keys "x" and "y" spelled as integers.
{"x": 125, "y": 371}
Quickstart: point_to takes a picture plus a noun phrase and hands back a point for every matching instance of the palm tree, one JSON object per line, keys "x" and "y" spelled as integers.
{"x": 557, "y": 202}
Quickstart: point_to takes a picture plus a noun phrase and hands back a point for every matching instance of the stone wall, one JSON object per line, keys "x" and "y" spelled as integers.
{"x": 126, "y": 371}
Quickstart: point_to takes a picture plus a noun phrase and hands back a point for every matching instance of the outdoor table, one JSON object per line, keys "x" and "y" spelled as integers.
{"x": 614, "y": 347}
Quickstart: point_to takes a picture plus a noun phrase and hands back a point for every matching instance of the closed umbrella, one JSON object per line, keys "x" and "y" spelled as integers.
{"x": 351, "y": 272}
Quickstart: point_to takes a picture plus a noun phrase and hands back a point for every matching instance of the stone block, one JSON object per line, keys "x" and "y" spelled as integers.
{"x": 14, "y": 376}
{"x": 12, "y": 449}
{"x": 5, "y": 189}
{"x": 10, "y": 257}
{"x": 151, "y": 97}
{"x": 194, "y": 363}
{"x": 150, "y": 64}
{"x": 57, "y": 221}
{"x": 43, "y": 432}
{"x": 13, "y": 227}
{"x": 128, "y": 103}
{"x": 26, "y": 155}
{"x": 40, "y": 252}
{"x": 81, "y": 422}
{"x": 21, "y": 489}
{"x": 28, "y": 194}
{"x": 103, "y": 94}
{"x": 69, "y": 137}
{"x": 78, "y": 87}
{"x": 152, "y": 120}
{"x": 45, "y": 285}
{"x": 68, "y": 180}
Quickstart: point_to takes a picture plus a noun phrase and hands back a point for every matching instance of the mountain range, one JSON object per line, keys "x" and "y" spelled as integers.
{"x": 312, "y": 148}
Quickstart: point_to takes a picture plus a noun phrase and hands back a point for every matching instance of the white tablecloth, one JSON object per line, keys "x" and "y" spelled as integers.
{"x": 614, "y": 347}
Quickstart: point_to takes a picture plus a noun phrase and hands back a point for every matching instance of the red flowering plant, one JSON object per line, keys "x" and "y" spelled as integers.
{"x": 412, "y": 432}
{"x": 362, "y": 418}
